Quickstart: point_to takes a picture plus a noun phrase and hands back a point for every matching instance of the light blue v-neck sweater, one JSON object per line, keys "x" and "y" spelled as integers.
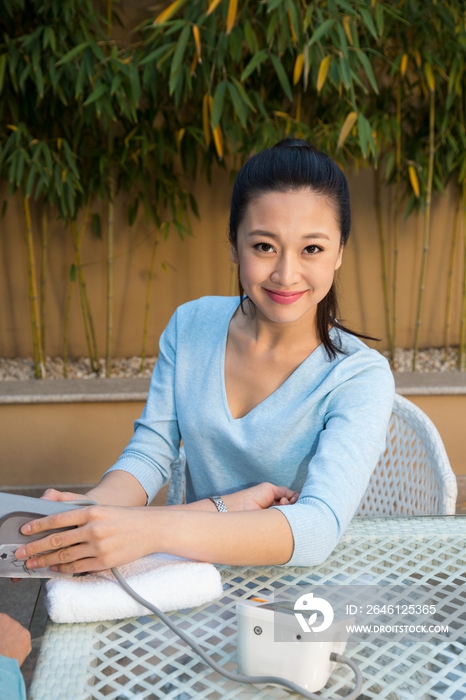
{"x": 320, "y": 433}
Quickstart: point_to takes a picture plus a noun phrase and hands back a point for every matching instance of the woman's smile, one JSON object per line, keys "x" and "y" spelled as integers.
{"x": 283, "y": 297}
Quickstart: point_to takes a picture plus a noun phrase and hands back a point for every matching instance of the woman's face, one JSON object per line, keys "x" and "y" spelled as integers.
{"x": 288, "y": 249}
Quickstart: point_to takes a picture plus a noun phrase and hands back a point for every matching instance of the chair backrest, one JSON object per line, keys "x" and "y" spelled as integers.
{"x": 413, "y": 476}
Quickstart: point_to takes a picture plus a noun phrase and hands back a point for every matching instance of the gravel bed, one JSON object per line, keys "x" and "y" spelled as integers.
{"x": 21, "y": 368}
{"x": 428, "y": 360}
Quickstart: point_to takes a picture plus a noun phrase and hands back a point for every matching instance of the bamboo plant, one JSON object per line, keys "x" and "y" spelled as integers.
{"x": 203, "y": 83}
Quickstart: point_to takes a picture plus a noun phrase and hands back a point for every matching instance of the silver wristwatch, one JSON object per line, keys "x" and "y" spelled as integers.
{"x": 221, "y": 507}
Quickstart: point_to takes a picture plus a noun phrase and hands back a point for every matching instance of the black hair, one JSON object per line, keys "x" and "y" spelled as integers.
{"x": 294, "y": 164}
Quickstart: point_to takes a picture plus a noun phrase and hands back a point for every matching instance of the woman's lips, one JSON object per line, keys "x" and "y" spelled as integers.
{"x": 283, "y": 297}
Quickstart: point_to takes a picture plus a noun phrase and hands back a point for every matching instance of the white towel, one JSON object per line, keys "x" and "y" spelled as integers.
{"x": 166, "y": 581}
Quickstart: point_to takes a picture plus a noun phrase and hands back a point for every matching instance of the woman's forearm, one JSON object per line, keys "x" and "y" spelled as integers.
{"x": 120, "y": 488}
{"x": 257, "y": 537}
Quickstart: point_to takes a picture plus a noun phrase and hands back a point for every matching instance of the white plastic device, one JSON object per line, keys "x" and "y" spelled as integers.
{"x": 295, "y": 655}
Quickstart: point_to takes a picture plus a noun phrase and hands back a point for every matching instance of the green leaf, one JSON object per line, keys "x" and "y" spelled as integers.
{"x": 346, "y": 6}
{"x": 20, "y": 167}
{"x": 250, "y": 37}
{"x": 73, "y": 53}
{"x": 345, "y": 73}
{"x": 321, "y": 30}
{"x": 379, "y": 17}
{"x": 24, "y": 76}
{"x": 154, "y": 55}
{"x": 72, "y": 272}
{"x": 282, "y": 76}
{"x": 193, "y": 205}
{"x": 238, "y": 104}
{"x": 343, "y": 40}
{"x": 273, "y": 5}
{"x": 116, "y": 82}
{"x": 96, "y": 227}
{"x": 30, "y": 180}
{"x": 369, "y": 22}
{"x": 3, "y": 59}
{"x": 271, "y": 27}
{"x": 135, "y": 84}
{"x": 389, "y": 164}
{"x": 365, "y": 134}
{"x": 132, "y": 212}
{"x": 40, "y": 82}
{"x": 261, "y": 105}
{"x": 178, "y": 56}
{"x": 243, "y": 94}
{"x": 366, "y": 64}
{"x": 219, "y": 99}
{"x": 308, "y": 16}
{"x": 255, "y": 61}
{"x": 96, "y": 94}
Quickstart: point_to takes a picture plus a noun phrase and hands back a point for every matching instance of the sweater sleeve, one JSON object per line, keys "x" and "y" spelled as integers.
{"x": 356, "y": 419}
{"x": 11, "y": 681}
{"x": 156, "y": 439}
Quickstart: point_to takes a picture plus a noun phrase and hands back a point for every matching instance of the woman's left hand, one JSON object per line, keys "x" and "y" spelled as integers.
{"x": 261, "y": 496}
{"x": 101, "y": 537}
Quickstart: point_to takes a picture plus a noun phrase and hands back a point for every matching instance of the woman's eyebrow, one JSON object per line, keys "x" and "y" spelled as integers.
{"x": 259, "y": 232}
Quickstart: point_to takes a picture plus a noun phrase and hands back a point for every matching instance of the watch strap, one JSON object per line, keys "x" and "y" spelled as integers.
{"x": 221, "y": 507}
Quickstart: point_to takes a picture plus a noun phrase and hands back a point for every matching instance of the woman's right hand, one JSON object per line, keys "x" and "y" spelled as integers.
{"x": 54, "y": 495}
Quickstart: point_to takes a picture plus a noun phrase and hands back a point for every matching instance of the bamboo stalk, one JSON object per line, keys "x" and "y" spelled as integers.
{"x": 451, "y": 264}
{"x": 396, "y": 233}
{"x": 109, "y": 16}
{"x": 148, "y": 295}
{"x": 425, "y": 248}
{"x": 94, "y": 356}
{"x": 108, "y": 350}
{"x": 461, "y": 353}
{"x": 77, "y": 258}
{"x": 67, "y": 325}
{"x": 383, "y": 250}
{"x": 43, "y": 279}
{"x": 33, "y": 299}
{"x": 95, "y": 360}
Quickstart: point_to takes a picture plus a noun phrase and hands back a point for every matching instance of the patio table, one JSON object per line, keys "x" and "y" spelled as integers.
{"x": 141, "y": 658}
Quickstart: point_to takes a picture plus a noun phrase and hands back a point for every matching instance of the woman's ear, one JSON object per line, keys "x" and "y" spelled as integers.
{"x": 339, "y": 258}
{"x": 234, "y": 254}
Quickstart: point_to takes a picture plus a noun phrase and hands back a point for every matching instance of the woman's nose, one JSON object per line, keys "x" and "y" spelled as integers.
{"x": 286, "y": 271}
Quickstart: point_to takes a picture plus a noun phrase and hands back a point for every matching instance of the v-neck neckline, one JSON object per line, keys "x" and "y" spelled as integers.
{"x": 271, "y": 396}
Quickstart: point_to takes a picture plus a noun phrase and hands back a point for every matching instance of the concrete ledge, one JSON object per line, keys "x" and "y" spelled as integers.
{"x": 73, "y": 390}
{"x": 135, "y": 389}
{"x": 430, "y": 383}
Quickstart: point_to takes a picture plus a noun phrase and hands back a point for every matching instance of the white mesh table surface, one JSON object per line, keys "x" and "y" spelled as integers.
{"x": 141, "y": 658}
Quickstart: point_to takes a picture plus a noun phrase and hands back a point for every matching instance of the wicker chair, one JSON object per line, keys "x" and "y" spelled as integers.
{"x": 413, "y": 476}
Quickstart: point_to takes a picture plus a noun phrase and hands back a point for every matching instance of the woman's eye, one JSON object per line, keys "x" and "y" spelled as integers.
{"x": 312, "y": 249}
{"x": 263, "y": 247}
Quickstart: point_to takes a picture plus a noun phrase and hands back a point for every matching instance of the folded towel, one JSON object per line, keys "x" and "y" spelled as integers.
{"x": 166, "y": 581}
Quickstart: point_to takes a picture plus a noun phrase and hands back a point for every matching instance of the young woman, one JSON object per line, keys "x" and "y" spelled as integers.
{"x": 282, "y": 411}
